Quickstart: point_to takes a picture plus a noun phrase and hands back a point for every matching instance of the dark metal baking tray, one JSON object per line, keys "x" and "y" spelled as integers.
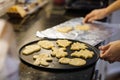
{"x": 28, "y": 59}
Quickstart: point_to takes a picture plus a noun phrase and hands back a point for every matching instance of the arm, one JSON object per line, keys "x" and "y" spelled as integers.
{"x": 113, "y": 7}
{"x": 101, "y": 13}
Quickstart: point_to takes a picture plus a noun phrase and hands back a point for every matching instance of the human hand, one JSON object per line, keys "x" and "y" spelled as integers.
{"x": 96, "y": 15}
{"x": 111, "y": 51}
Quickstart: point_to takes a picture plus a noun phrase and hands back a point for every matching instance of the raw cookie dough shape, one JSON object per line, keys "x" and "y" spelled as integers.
{"x": 63, "y": 43}
{"x": 64, "y": 60}
{"x": 77, "y": 62}
{"x": 31, "y": 49}
{"x": 42, "y": 59}
{"x": 78, "y": 46}
{"x": 83, "y": 53}
{"x": 59, "y": 52}
{"x": 46, "y": 44}
{"x": 64, "y": 29}
{"x": 84, "y": 27}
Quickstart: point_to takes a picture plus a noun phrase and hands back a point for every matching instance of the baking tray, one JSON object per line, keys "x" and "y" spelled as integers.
{"x": 28, "y": 59}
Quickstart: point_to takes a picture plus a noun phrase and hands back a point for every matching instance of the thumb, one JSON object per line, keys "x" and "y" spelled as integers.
{"x": 105, "y": 47}
{"x": 105, "y": 54}
{"x": 87, "y": 17}
{"x": 92, "y": 19}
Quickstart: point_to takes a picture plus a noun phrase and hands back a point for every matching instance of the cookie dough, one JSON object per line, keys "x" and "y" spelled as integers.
{"x": 77, "y": 62}
{"x": 42, "y": 59}
{"x": 64, "y": 29}
{"x": 84, "y": 27}
{"x": 63, "y": 43}
{"x": 64, "y": 60}
{"x": 31, "y": 49}
{"x": 78, "y": 46}
{"x": 83, "y": 53}
{"x": 59, "y": 52}
{"x": 46, "y": 44}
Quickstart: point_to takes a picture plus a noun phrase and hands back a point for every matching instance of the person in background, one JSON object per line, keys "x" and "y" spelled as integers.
{"x": 111, "y": 51}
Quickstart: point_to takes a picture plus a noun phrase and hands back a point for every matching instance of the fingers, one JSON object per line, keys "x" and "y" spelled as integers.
{"x": 92, "y": 19}
{"x": 110, "y": 52}
{"x": 105, "y": 47}
{"x": 95, "y": 15}
{"x": 104, "y": 51}
{"x": 106, "y": 55}
{"x": 88, "y": 18}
